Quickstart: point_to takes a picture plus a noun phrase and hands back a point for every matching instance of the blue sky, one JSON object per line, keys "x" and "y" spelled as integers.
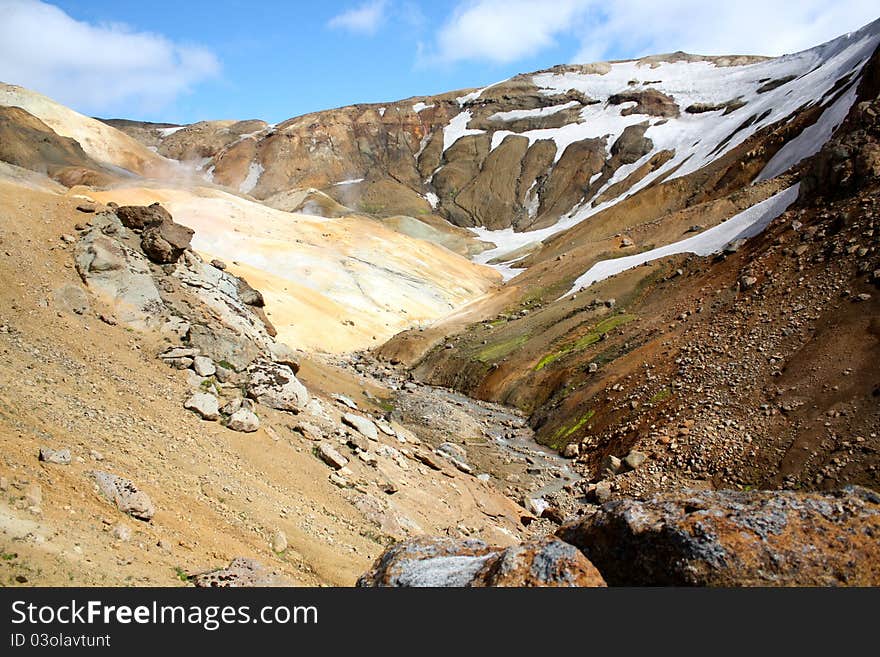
{"x": 190, "y": 60}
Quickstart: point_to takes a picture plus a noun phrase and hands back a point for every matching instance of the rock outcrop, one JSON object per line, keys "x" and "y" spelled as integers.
{"x": 445, "y": 562}
{"x": 727, "y": 538}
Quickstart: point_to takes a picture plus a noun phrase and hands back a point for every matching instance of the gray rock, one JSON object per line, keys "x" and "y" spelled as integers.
{"x": 602, "y": 492}
{"x": 385, "y": 428}
{"x": 224, "y": 374}
{"x": 204, "y": 366}
{"x": 361, "y": 424}
{"x": 345, "y": 401}
{"x": 205, "y": 404}
{"x": 634, "y": 459}
{"x": 309, "y": 431}
{"x": 734, "y": 538}
{"x": 231, "y": 406}
{"x": 178, "y": 352}
{"x": 125, "y": 495}
{"x": 358, "y": 441}
{"x": 241, "y": 572}
{"x": 61, "y": 456}
{"x": 222, "y": 344}
{"x": 284, "y": 355}
{"x": 118, "y": 275}
{"x": 243, "y": 420}
{"x": 331, "y": 457}
{"x": 537, "y": 505}
{"x": 275, "y": 385}
{"x": 451, "y": 450}
{"x": 746, "y": 282}
{"x": 610, "y": 464}
{"x": 72, "y": 299}
{"x": 445, "y": 562}
{"x": 249, "y": 295}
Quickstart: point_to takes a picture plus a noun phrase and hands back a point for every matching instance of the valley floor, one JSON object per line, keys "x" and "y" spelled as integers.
{"x": 68, "y": 380}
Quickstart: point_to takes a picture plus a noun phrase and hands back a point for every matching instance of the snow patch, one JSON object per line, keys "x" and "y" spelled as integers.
{"x": 165, "y": 132}
{"x": 255, "y": 170}
{"x": 431, "y": 198}
{"x": 350, "y": 181}
{"x": 381, "y": 111}
{"x": 812, "y": 138}
{"x": 747, "y": 223}
{"x": 420, "y": 106}
{"x": 513, "y": 115}
{"x": 457, "y": 128}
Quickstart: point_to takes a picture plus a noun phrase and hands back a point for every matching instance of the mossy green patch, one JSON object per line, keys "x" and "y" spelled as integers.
{"x": 499, "y": 350}
{"x": 593, "y": 336}
{"x": 660, "y": 396}
{"x": 560, "y": 438}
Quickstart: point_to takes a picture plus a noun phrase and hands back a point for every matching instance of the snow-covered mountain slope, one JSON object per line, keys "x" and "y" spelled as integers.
{"x": 528, "y": 157}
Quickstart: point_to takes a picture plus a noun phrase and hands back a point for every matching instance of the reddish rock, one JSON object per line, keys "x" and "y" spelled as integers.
{"x": 140, "y": 217}
{"x": 731, "y": 538}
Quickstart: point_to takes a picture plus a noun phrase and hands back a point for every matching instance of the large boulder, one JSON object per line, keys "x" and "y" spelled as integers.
{"x": 241, "y": 572}
{"x": 165, "y": 243}
{"x": 446, "y": 562}
{"x": 125, "y": 495}
{"x": 141, "y": 217}
{"x": 276, "y": 386}
{"x": 118, "y": 274}
{"x": 732, "y": 538}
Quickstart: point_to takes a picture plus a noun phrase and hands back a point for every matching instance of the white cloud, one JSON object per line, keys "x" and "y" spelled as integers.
{"x": 95, "y": 68}
{"x": 759, "y": 27}
{"x": 365, "y": 19}
{"x": 504, "y": 31}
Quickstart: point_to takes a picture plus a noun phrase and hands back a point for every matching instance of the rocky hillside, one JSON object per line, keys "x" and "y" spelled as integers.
{"x": 529, "y": 151}
{"x": 238, "y": 353}
{"x": 738, "y": 356}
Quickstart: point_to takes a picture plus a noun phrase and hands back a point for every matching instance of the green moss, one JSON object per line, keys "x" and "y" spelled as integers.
{"x": 592, "y": 337}
{"x": 499, "y": 350}
{"x": 560, "y": 438}
{"x": 386, "y": 404}
{"x": 660, "y": 396}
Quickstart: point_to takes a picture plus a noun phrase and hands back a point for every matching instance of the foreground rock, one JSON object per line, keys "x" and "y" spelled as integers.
{"x": 204, "y": 404}
{"x": 446, "y": 562}
{"x": 728, "y": 538}
{"x": 243, "y": 420}
{"x": 362, "y": 425}
{"x": 125, "y": 495}
{"x": 241, "y": 572}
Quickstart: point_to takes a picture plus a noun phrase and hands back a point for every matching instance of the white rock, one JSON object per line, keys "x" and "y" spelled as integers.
{"x": 204, "y": 366}
{"x": 331, "y": 457}
{"x": 243, "y": 420}
{"x": 362, "y": 425}
{"x": 204, "y": 404}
